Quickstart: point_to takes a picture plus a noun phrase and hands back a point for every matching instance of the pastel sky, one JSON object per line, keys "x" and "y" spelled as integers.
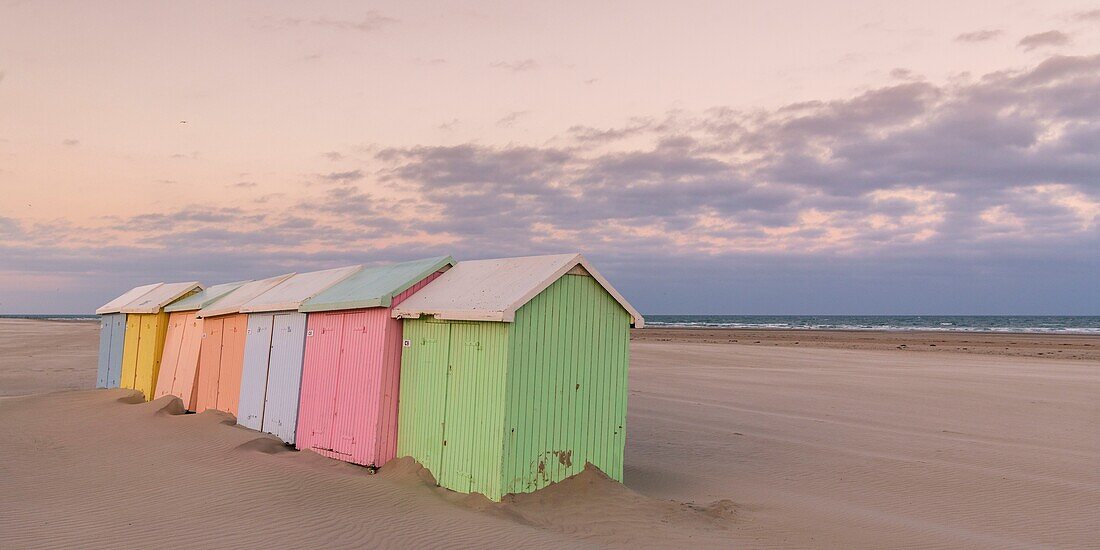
{"x": 788, "y": 157}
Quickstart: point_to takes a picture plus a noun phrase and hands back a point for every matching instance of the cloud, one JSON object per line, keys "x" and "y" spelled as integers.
{"x": 516, "y": 66}
{"x": 904, "y": 74}
{"x": 968, "y": 196}
{"x": 511, "y": 118}
{"x": 245, "y": 184}
{"x": 334, "y": 156}
{"x": 979, "y": 36}
{"x": 1039, "y": 40}
{"x": 2, "y": 76}
{"x": 1090, "y": 15}
{"x": 370, "y": 22}
{"x": 70, "y": 142}
{"x": 350, "y": 175}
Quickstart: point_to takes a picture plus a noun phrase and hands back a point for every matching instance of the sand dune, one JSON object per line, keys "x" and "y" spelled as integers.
{"x": 729, "y": 446}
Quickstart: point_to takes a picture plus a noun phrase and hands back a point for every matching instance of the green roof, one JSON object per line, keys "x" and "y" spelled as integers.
{"x": 206, "y": 297}
{"x": 375, "y": 286}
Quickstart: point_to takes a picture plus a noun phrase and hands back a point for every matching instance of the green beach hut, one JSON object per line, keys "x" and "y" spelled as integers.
{"x": 514, "y": 374}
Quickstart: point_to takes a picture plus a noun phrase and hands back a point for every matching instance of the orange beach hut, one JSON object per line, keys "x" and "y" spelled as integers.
{"x": 221, "y": 353}
{"x": 179, "y": 364}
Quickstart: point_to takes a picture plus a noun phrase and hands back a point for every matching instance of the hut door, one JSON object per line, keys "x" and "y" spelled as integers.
{"x": 210, "y": 360}
{"x": 114, "y": 361}
{"x": 232, "y": 360}
{"x": 130, "y": 351}
{"x": 462, "y": 454}
{"x": 106, "y": 326}
{"x": 284, "y": 376}
{"x": 173, "y": 342}
{"x": 112, "y": 328}
{"x": 356, "y": 400}
{"x": 254, "y": 371}
{"x": 325, "y": 368}
{"x": 188, "y": 361}
{"x": 148, "y": 358}
{"x": 424, "y": 394}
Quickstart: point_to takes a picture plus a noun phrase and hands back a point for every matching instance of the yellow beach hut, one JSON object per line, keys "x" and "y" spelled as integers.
{"x": 146, "y": 325}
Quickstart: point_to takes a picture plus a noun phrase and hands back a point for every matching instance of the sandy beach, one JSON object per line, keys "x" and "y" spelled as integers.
{"x": 735, "y": 439}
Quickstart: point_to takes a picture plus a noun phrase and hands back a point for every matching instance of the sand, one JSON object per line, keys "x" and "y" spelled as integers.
{"x": 1048, "y": 346}
{"x": 45, "y": 356}
{"x": 729, "y": 445}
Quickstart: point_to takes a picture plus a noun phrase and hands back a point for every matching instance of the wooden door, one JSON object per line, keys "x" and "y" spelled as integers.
{"x": 284, "y": 376}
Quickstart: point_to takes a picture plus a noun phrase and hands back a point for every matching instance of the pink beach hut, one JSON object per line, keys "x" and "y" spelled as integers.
{"x": 348, "y": 407}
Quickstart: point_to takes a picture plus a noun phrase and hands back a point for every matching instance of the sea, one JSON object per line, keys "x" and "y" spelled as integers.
{"x": 1061, "y": 324}
{"x": 52, "y": 317}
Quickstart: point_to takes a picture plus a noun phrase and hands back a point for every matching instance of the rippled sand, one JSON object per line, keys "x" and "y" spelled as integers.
{"x": 729, "y": 444}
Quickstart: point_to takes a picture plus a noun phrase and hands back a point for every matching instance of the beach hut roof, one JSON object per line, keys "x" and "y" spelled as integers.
{"x": 290, "y": 293}
{"x": 492, "y": 290}
{"x": 202, "y": 299}
{"x": 375, "y": 286}
{"x": 162, "y": 295}
{"x": 116, "y": 305}
{"x": 232, "y": 302}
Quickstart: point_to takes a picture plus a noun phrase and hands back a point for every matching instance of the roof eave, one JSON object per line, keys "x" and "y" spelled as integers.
{"x": 456, "y": 315}
{"x": 342, "y": 306}
{"x": 272, "y": 308}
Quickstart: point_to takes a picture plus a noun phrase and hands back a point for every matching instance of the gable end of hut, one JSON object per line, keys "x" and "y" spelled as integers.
{"x": 567, "y": 385}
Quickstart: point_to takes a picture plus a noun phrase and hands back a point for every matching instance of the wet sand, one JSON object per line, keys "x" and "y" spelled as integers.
{"x": 729, "y": 445}
{"x": 1049, "y": 346}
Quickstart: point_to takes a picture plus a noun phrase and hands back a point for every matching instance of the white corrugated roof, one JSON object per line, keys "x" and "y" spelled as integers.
{"x": 233, "y": 301}
{"x": 290, "y": 293}
{"x": 208, "y": 296}
{"x": 492, "y": 290}
{"x": 116, "y": 305}
{"x": 154, "y": 300}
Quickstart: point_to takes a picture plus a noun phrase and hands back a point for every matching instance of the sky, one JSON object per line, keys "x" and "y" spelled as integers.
{"x": 788, "y": 157}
